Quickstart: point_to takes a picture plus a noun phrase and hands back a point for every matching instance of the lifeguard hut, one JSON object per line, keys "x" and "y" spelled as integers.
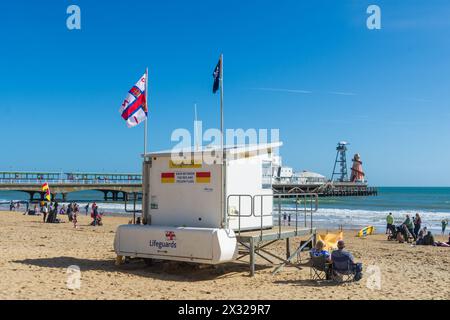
{"x": 197, "y": 209}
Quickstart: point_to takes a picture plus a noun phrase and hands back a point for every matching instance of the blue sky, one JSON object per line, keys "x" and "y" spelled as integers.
{"x": 386, "y": 91}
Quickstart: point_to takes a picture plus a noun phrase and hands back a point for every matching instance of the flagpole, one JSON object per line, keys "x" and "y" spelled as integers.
{"x": 195, "y": 127}
{"x": 223, "y": 167}
{"x": 146, "y": 105}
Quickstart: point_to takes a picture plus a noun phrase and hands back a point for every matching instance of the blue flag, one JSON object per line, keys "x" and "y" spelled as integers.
{"x": 217, "y": 76}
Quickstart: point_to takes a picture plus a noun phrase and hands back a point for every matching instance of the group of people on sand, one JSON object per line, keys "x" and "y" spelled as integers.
{"x": 14, "y": 206}
{"x": 50, "y": 211}
{"x": 410, "y": 230}
{"x": 339, "y": 261}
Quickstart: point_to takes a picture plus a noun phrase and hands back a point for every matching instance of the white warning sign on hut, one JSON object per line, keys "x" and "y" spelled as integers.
{"x": 184, "y": 177}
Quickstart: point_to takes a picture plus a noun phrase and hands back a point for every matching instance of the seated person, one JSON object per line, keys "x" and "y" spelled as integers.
{"x": 400, "y": 237}
{"x": 392, "y": 231}
{"x": 441, "y": 244}
{"x": 428, "y": 239}
{"x": 420, "y": 236}
{"x": 319, "y": 252}
{"x": 343, "y": 262}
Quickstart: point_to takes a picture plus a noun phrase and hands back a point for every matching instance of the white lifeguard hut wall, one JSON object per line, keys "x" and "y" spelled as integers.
{"x": 185, "y": 188}
{"x": 182, "y": 205}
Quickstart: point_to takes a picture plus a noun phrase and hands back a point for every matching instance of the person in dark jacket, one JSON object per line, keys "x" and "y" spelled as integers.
{"x": 417, "y": 224}
{"x": 343, "y": 261}
{"x": 428, "y": 239}
{"x": 95, "y": 214}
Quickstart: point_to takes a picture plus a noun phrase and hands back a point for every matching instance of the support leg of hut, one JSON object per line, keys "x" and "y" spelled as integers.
{"x": 288, "y": 249}
{"x": 252, "y": 258}
{"x": 119, "y": 260}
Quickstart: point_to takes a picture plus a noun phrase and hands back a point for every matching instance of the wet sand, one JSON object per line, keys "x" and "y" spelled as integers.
{"x": 34, "y": 258}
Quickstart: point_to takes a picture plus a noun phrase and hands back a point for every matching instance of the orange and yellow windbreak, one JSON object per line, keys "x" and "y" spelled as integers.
{"x": 167, "y": 177}
{"x": 203, "y": 177}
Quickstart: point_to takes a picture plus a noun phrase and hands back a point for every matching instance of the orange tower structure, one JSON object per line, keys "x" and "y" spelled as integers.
{"x": 357, "y": 171}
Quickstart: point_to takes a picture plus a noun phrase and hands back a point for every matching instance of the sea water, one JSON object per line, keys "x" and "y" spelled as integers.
{"x": 433, "y": 204}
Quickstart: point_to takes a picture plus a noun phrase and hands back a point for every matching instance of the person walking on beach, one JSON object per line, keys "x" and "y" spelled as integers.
{"x": 417, "y": 224}
{"x": 444, "y": 224}
{"x": 87, "y": 209}
{"x": 92, "y": 209}
{"x": 389, "y": 222}
{"x": 69, "y": 211}
{"x": 12, "y": 206}
{"x": 95, "y": 214}
{"x": 56, "y": 209}
{"x": 74, "y": 218}
{"x": 50, "y": 212}
{"x": 44, "y": 211}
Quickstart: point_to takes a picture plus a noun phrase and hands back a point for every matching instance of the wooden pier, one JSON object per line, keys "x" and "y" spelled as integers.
{"x": 115, "y": 186}
{"x": 329, "y": 189}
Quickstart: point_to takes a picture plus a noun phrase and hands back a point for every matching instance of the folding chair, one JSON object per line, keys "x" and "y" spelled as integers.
{"x": 318, "y": 268}
{"x": 344, "y": 271}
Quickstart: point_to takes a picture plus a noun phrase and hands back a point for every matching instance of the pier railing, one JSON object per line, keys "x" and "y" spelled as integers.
{"x": 68, "y": 182}
{"x": 65, "y": 178}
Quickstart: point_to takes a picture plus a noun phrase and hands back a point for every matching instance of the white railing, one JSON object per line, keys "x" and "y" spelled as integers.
{"x": 305, "y": 205}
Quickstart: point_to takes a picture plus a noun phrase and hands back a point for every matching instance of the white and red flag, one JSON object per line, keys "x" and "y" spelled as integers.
{"x": 134, "y": 108}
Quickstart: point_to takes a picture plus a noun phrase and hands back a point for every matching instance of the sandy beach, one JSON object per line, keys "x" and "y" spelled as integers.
{"x": 35, "y": 257}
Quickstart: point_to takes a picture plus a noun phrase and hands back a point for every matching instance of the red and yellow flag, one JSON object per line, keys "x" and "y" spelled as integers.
{"x": 46, "y": 189}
